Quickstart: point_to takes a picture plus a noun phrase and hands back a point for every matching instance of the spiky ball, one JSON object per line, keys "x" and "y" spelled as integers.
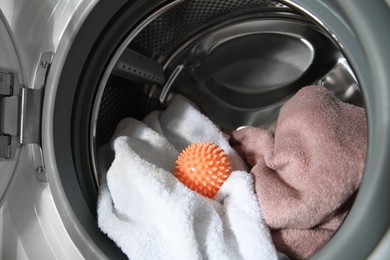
{"x": 203, "y": 167}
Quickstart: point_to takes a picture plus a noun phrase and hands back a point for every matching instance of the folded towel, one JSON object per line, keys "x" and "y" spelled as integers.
{"x": 151, "y": 215}
{"x": 308, "y": 171}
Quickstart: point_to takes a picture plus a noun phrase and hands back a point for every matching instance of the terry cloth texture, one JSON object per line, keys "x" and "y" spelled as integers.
{"x": 307, "y": 172}
{"x": 151, "y": 215}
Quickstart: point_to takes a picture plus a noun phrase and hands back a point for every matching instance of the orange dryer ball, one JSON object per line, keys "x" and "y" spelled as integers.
{"x": 203, "y": 168}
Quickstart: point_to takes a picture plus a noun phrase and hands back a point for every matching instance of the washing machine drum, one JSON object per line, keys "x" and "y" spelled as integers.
{"x": 239, "y": 61}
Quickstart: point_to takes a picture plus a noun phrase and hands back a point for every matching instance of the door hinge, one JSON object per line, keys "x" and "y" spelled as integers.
{"x": 31, "y": 102}
{"x": 9, "y": 113}
{"x": 21, "y": 109}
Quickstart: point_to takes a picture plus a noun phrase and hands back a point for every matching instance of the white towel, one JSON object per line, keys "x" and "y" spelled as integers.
{"x": 151, "y": 215}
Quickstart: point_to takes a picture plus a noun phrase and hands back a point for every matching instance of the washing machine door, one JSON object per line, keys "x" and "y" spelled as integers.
{"x": 30, "y": 32}
{"x": 10, "y": 76}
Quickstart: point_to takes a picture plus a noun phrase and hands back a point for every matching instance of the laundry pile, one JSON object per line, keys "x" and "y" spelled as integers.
{"x": 297, "y": 183}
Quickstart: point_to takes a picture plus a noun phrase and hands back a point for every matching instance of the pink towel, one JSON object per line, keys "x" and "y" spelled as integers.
{"x": 307, "y": 172}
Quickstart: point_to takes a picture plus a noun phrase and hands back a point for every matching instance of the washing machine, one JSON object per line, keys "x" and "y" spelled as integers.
{"x": 70, "y": 70}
